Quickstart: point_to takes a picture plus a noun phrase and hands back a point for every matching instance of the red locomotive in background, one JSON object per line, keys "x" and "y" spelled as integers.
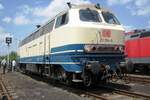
{"x": 137, "y": 50}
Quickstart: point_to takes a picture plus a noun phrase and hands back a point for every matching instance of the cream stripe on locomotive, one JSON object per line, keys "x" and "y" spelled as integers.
{"x": 72, "y": 36}
{"x": 84, "y": 36}
{"x": 74, "y": 32}
{"x": 36, "y": 47}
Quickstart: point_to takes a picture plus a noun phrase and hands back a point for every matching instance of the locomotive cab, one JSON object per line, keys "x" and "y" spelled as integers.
{"x": 97, "y": 38}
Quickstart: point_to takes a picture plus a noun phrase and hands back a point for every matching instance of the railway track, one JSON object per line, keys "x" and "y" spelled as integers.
{"x": 130, "y": 78}
{"x": 4, "y": 92}
{"x": 87, "y": 94}
{"x": 98, "y": 93}
{"x": 138, "y": 78}
{"x": 127, "y": 92}
{"x": 113, "y": 95}
{"x": 96, "y": 96}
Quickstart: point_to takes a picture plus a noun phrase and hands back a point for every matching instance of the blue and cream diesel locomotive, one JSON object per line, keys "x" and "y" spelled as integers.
{"x": 82, "y": 44}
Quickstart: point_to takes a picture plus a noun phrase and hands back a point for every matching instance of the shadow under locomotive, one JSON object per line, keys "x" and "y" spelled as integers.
{"x": 81, "y": 89}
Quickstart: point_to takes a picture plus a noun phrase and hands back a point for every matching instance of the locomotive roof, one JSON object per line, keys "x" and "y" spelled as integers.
{"x": 92, "y": 6}
{"x": 138, "y": 34}
{"x": 137, "y": 31}
{"x": 82, "y": 6}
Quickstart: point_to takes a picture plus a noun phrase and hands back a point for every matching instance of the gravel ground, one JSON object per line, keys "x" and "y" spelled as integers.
{"x": 26, "y": 88}
{"x": 143, "y": 88}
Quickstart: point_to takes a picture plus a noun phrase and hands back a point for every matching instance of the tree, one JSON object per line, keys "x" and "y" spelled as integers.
{"x": 12, "y": 56}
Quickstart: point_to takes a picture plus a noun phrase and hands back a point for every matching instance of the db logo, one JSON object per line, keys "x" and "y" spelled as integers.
{"x": 106, "y": 33}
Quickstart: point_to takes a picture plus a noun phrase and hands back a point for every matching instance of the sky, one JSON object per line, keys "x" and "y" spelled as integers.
{"x": 18, "y": 18}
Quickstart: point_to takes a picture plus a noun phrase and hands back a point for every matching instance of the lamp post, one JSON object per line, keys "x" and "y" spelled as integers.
{"x": 8, "y": 42}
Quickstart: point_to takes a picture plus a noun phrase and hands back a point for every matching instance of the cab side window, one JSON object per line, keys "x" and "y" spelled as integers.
{"x": 61, "y": 20}
{"x": 135, "y": 36}
{"x": 145, "y": 34}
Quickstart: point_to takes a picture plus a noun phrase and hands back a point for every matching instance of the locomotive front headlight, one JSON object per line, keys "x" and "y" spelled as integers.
{"x": 89, "y": 48}
{"x": 121, "y": 48}
{"x": 107, "y": 67}
{"x": 116, "y": 48}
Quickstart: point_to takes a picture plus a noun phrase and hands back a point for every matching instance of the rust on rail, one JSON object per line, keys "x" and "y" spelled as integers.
{"x": 4, "y": 92}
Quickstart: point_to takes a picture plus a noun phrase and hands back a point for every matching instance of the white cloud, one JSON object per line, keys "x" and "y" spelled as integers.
{"x": 25, "y": 9}
{"x": 128, "y": 27}
{"x": 148, "y": 26}
{"x": 7, "y": 19}
{"x": 3, "y": 34}
{"x": 56, "y": 6}
{"x": 53, "y": 8}
{"x": 1, "y": 7}
{"x": 38, "y": 2}
{"x": 149, "y": 22}
{"x": 140, "y": 8}
{"x": 143, "y": 11}
{"x": 118, "y": 2}
{"x": 136, "y": 7}
{"x": 21, "y": 20}
{"x": 45, "y": 13}
{"x": 1, "y": 29}
{"x": 140, "y": 11}
{"x": 142, "y": 2}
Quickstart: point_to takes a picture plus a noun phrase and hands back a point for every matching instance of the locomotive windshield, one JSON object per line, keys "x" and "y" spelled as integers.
{"x": 89, "y": 15}
{"x": 110, "y": 18}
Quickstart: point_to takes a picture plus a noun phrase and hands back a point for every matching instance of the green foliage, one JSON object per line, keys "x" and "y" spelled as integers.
{"x": 12, "y": 56}
{"x": 1, "y": 58}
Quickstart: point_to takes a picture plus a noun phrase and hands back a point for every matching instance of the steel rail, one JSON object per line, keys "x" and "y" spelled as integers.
{"x": 138, "y": 78}
{"x": 127, "y": 93}
{"x": 96, "y": 96}
{"x": 4, "y": 89}
{"x": 118, "y": 91}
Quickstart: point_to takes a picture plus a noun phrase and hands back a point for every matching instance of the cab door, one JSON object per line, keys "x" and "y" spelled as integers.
{"x": 47, "y": 33}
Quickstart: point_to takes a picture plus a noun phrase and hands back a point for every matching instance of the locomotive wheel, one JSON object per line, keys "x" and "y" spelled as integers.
{"x": 69, "y": 80}
{"x": 61, "y": 74}
{"x": 87, "y": 79}
{"x": 114, "y": 77}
